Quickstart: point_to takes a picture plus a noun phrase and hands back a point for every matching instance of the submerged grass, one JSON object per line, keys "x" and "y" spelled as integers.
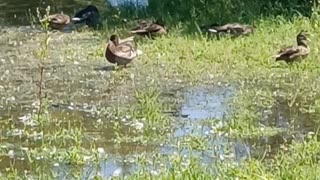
{"x": 271, "y": 98}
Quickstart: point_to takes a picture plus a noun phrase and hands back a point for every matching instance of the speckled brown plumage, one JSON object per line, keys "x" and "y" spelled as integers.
{"x": 150, "y": 29}
{"x": 235, "y": 29}
{"x": 121, "y": 52}
{"x": 295, "y": 53}
{"x": 57, "y": 21}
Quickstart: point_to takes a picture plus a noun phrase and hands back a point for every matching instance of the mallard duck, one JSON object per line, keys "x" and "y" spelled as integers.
{"x": 57, "y": 21}
{"x": 149, "y": 28}
{"x": 235, "y": 29}
{"x": 121, "y": 52}
{"x": 294, "y": 53}
{"x": 89, "y": 15}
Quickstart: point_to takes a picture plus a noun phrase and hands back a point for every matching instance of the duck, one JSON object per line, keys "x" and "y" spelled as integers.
{"x": 89, "y": 15}
{"x": 149, "y": 29}
{"x": 57, "y": 21}
{"x": 295, "y": 53}
{"x": 235, "y": 29}
{"x": 121, "y": 52}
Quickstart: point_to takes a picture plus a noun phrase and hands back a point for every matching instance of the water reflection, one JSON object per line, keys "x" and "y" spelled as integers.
{"x": 200, "y": 104}
{"x": 118, "y": 162}
{"x": 203, "y": 103}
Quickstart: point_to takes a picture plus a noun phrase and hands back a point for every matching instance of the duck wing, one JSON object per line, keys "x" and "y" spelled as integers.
{"x": 300, "y": 51}
{"x": 225, "y": 27}
{"x": 129, "y": 41}
{"x": 154, "y": 28}
{"x": 232, "y": 27}
{"x": 219, "y": 29}
{"x": 147, "y": 28}
{"x": 291, "y": 52}
{"x": 124, "y": 50}
{"x": 141, "y": 25}
{"x": 58, "y": 18}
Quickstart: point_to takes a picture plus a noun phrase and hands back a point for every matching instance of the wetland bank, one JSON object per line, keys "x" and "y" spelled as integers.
{"x": 191, "y": 107}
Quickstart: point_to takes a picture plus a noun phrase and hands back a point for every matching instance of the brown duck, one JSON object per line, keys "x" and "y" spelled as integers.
{"x": 57, "y": 21}
{"x": 295, "y": 53}
{"x": 235, "y": 29}
{"x": 121, "y": 52}
{"x": 149, "y": 28}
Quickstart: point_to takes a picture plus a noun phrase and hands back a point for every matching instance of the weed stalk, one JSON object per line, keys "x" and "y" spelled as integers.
{"x": 42, "y": 56}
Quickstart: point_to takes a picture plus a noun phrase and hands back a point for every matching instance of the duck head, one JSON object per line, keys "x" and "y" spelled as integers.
{"x": 162, "y": 24}
{"x": 91, "y": 8}
{"x": 159, "y": 22}
{"x": 302, "y": 38}
{"x": 115, "y": 39}
{"x": 248, "y": 30}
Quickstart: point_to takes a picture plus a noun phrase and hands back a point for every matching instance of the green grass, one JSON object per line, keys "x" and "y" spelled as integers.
{"x": 132, "y": 107}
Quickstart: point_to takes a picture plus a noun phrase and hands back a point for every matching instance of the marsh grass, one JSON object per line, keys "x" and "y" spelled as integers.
{"x": 271, "y": 98}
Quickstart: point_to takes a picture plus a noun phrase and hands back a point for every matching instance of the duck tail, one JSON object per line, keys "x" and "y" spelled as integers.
{"x": 276, "y": 56}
